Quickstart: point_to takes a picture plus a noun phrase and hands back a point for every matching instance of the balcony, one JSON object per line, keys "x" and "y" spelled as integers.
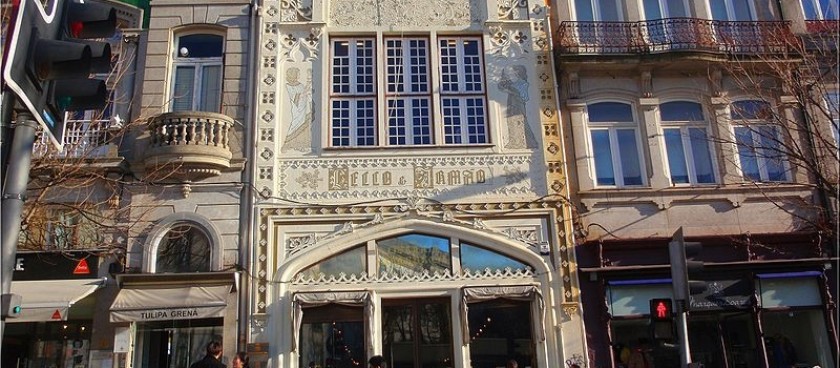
{"x": 83, "y": 139}
{"x": 673, "y": 35}
{"x": 188, "y": 146}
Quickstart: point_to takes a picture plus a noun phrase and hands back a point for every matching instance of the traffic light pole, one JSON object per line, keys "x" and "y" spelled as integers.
{"x": 14, "y": 191}
{"x": 682, "y": 334}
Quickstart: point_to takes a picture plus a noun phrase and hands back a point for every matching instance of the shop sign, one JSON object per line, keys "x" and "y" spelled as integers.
{"x": 165, "y": 314}
{"x": 55, "y": 266}
{"x": 723, "y": 294}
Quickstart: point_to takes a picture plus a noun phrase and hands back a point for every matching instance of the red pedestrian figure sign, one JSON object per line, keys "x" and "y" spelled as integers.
{"x": 660, "y": 309}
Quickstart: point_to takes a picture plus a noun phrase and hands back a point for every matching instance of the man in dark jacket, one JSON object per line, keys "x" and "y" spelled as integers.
{"x": 211, "y": 360}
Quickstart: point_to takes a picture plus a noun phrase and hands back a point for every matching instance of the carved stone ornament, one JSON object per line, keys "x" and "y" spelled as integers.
{"x": 510, "y": 43}
{"x": 513, "y": 9}
{"x": 407, "y": 13}
{"x": 301, "y": 46}
{"x": 295, "y": 10}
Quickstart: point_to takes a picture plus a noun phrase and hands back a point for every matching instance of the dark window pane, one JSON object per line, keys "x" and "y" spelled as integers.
{"x": 184, "y": 249}
{"x": 200, "y": 46}
{"x": 608, "y": 112}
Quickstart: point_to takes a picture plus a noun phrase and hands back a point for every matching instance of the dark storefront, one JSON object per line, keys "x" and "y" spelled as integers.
{"x": 58, "y": 304}
{"x": 762, "y": 313}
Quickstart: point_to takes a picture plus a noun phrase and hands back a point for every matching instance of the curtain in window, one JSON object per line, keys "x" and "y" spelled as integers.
{"x": 182, "y": 97}
{"x": 348, "y": 298}
{"x": 480, "y": 294}
{"x": 211, "y": 76}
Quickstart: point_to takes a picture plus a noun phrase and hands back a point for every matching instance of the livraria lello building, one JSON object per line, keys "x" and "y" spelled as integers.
{"x": 411, "y": 187}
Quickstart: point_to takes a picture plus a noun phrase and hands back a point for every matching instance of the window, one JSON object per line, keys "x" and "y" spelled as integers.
{"x": 820, "y": 9}
{"x": 61, "y": 228}
{"x": 599, "y": 10}
{"x": 832, "y": 102}
{"x": 408, "y": 93}
{"x": 687, "y": 143}
{"x": 760, "y": 150}
{"x": 351, "y": 262}
{"x": 185, "y": 248}
{"x": 479, "y": 259}
{"x": 412, "y": 254}
{"x": 197, "y": 75}
{"x": 732, "y": 9}
{"x": 332, "y": 335}
{"x": 615, "y": 146}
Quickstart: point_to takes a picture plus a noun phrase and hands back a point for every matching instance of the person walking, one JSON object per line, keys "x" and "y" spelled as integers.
{"x": 240, "y": 360}
{"x": 212, "y": 359}
{"x": 376, "y": 361}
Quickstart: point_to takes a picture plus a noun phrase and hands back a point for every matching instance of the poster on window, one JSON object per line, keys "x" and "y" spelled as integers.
{"x": 76, "y": 354}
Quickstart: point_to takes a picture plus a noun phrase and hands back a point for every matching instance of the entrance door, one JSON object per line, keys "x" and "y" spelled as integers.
{"x": 417, "y": 333}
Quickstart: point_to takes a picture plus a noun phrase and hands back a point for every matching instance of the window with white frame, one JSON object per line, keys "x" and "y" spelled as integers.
{"x": 687, "y": 142}
{"x": 61, "y": 228}
{"x": 761, "y": 150}
{"x": 408, "y": 94}
{"x": 820, "y": 9}
{"x": 614, "y": 140}
{"x": 197, "y": 73}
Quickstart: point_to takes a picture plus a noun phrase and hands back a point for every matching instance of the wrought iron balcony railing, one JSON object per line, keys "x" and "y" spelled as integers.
{"x": 82, "y": 139}
{"x": 674, "y": 34}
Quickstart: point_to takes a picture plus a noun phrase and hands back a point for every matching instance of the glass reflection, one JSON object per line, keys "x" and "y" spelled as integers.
{"x": 501, "y": 330}
{"x": 478, "y": 259}
{"x": 412, "y": 254}
{"x": 332, "y": 336}
{"x": 351, "y": 262}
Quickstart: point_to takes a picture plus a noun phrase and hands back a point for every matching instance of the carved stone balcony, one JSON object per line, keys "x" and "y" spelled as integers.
{"x": 188, "y": 146}
{"x": 673, "y": 35}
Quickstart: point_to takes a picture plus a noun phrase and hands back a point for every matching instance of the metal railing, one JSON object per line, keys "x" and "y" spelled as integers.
{"x": 674, "y": 34}
{"x": 82, "y": 138}
{"x": 828, "y": 26}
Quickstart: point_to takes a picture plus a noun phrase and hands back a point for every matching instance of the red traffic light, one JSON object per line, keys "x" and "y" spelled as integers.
{"x": 661, "y": 309}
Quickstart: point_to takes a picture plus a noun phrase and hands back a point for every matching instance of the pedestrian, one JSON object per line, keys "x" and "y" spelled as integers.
{"x": 640, "y": 357}
{"x": 376, "y": 361}
{"x": 240, "y": 360}
{"x": 512, "y": 364}
{"x": 212, "y": 359}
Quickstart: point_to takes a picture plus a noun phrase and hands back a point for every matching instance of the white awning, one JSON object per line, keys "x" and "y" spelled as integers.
{"x": 163, "y": 304}
{"x": 50, "y": 300}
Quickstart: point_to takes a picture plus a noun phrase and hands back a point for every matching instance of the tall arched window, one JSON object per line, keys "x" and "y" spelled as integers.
{"x": 615, "y": 146}
{"x": 687, "y": 142}
{"x": 197, "y": 73}
{"x": 184, "y": 248}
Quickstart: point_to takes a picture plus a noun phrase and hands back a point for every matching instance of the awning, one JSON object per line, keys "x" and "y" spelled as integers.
{"x": 163, "y": 304}
{"x": 50, "y": 300}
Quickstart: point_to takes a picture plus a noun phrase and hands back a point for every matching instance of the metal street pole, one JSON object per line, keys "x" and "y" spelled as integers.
{"x": 682, "y": 334}
{"x": 14, "y": 191}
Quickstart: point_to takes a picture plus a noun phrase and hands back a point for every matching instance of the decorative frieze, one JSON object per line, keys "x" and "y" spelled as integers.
{"x": 406, "y": 13}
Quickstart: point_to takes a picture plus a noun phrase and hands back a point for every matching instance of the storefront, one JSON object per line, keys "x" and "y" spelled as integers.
{"x": 727, "y": 322}
{"x": 420, "y": 292}
{"x": 172, "y": 317}
{"x": 59, "y": 300}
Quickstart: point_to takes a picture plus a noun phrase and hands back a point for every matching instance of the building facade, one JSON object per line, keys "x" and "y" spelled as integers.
{"x": 411, "y": 184}
{"x": 680, "y": 116}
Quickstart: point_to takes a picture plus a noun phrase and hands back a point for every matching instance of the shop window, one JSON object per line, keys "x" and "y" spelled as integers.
{"x": 501, "y": 330}
{"x": 413, "y": 254}
{"x": 476, "y": 258}
{"x": 184, "y": 248}
{"x": 408, "y": 94}
{"x": 615, "y": 144}
{"x": 687, "y": 143}
{"x": 175, "y": 344}
{"x": 351, "y": 262}
{"x": 634, "y": 299}
{"x": 61, "y": 228}
{"x": 761, "y": 150}
{"x": 332, "y": 336}
{"x": 417, "y": 333}
{"x": 197, "y": 73}
{"x": 797, "y": 338}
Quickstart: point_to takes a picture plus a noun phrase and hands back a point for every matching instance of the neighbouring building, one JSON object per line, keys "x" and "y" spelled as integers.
{"x": 188, "y": 194}
{"x": 71, "y": 229}
{"x": 682, "y": 114}
{"x": 411, "y": 188}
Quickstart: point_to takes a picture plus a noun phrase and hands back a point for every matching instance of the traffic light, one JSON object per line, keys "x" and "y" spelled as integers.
{"x": 685, "y": 269}
{"x": 662, "y": 319}
{"x": 51, "y": 57}
{"x": 10, "y": 306}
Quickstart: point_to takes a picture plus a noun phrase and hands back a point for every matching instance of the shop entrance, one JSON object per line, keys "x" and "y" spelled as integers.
{"x": 724, "y": 340}
{"x": 417, "y": 333}
{"x": 175, "y": 344}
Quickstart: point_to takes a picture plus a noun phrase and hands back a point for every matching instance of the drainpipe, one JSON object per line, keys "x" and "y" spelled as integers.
{"x": 246, "y": 196}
